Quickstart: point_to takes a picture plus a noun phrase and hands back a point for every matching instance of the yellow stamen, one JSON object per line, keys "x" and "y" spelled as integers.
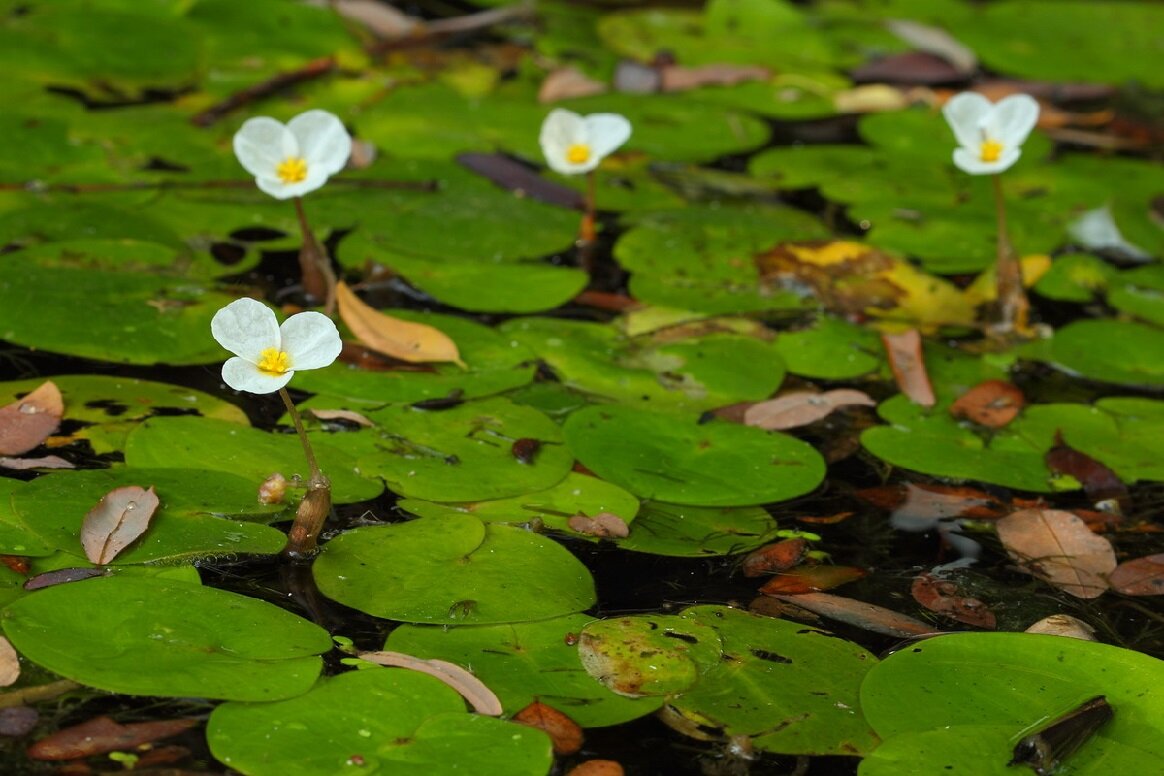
{"x": 578, "y": 153}
{"x": 274, "y": 361}
{"x": 293, "y": 169}
{"x": 990, "y": 150}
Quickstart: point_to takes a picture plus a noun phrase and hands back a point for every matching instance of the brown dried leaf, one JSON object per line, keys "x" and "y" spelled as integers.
{"x": 381, "y": 19}
{"x": 993, "y": 403}
{"x": 924, "y": 505}
{"x": 27, "y": 422}
{"x": 18, "y": 721}
{"x": 937, "y": 41}
{"x": 120, "y": 517}
{"x": 871, "y": 617}
{"x": 871, "y": 98}
{"x": 394, "y": 337}
{"x": 1142, "y": 576}
{"x": 909, "y": 67}
{"x": 348, "y": 415}
{"x": 61, "y": 576}
{"x": 904, "y": 351}
{"x": 1063, "y": 625}
{"x": 812, "y": 579}
{"x": 564, "y": 732}
{"x": 1057, "y": 547}
{"x": 514, "y": 176}
{"x": 676, "y": 78}
{"x": 44, "y": 462}
{"x": 771, "y": 558}
{"x": 941, "y": 596}
{"x": 604, "y": 525}
{"x": 1099, "y": 482}
{"x": 596, "y": 768}
{"x": 799, "y": 408}
{"x": 273, "y": 489}
{"x": 566, "y": 83}
{"x": 9, "y": 663}
{"x": 101, "y": 734}
{"x": 472, "y": 689}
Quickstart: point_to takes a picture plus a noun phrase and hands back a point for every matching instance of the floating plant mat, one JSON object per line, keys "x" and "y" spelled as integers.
{"x": 968, "y": 697}
{"x": 375, "y": 721}
{"x": 524, "y": 662}
{"x": 677, "y": 459}
{"x": 157, "y": 637}
{"x": 203, "y": 514}
{"x": 451, "y": 570}
{"x": 1112, "y": 351}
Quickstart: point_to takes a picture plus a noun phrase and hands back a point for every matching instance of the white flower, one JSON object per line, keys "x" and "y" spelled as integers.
{"x": 267, "y": 354}
{"x": 289, "y": 161}
{"x": 990, "y": 134}
{"x": 575, "y": 144}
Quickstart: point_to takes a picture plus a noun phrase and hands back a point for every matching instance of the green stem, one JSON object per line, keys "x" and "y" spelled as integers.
{"x": 1012, "y": 303}
{"x": 314, "y": 265}
{"x": 316, "y": 474}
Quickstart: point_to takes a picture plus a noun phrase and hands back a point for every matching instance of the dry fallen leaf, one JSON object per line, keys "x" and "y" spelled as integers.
{"x": 44, "y": 462}
{"x": 799, "y": 408}
{"x": 603, "y": 525}
{"x": 812, "y": 579}
{"x": 772, "y": 558}
{"x": 101, "y": 734}
{"x": 1063, "y": 625}
{"x": 347, "y": 415}
{"x": 909, "y": 368}
{"x": 676, "y": 78}
{"x": 871, "y": 617}
{"x": 119, "y": 518}
{"x": 597, "y": 768}
{"x": 1100, "y": 482}
{"x": 1142, "y": 576}
{"x": 935, "y": 40}
{"x": 993, "y": 403}
{"x": 405, "y": 340}
{"x": 567, "y": 82}
{"x": 1058, "y": 547}
{"x": 941, "y": 596}
{"x": 472, "y": 689}
{"x": 563, "y": 731}
{"x": 27, "y": 422}
{"x": 9, "y": 663}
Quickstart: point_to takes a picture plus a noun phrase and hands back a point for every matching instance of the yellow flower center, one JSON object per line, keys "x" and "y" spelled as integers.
{"x": 990, "y": 150}
{"x": 274, "y": 361}
{"x": 293, "y": 169}
{"x": 578, "y": 153}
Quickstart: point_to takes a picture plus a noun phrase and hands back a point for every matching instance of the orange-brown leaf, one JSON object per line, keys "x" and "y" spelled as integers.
{"x": 564, "y": 732}
{"x": 812, "y": 579}
{"x": 871, "y": 617}
{"x": 993, "y": 403}
{"x": 604, "y": 525}
{"x": 120, "y": 517}
{"x": 941, "y": 596}
{"x": 102, "y": 734}
{"x": 405, "y": 340}
{"x": 1058, "y": 547}
{"x": 909, "y": 367}
{"x": 771, "y": 558}
{"x": 799, "y": 408}
{"x": 27, "y": 422}
{"x": 1142, "y": 576}
{"x": 597, "y": 768}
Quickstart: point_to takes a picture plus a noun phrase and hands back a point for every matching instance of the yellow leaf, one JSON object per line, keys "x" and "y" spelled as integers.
{"x": 405, "y": 340}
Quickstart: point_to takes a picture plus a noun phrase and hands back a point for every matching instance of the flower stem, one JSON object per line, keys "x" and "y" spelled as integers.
{"x": 314, "y": 264}
{"x": 316, "y": 505}
{"x": 1012, "y": 305}
{"x": 588, "y": 230}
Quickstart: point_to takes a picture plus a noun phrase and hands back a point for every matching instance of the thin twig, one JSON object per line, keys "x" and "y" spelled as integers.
{"x": 276, "y": 83}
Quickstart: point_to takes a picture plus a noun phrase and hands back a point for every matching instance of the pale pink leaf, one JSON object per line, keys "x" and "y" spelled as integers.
{"x": 1059, "y": 548}
{"x": 472, "y": 689}
{"x": 566, "y": 83}
{"x": 348, "y": 415}
{"x": 44, "y": 462}
{"x": 27, "y": 422}
{"x": 1141, "y": 576}
{"x": 904, "y": 351}
{"x": 603, "y": 525}
{"x": 1063, "y": 625}
{"x": 9, "y": 663}
{"x": 119, "y": 518}
{"x": 799, "y": 408}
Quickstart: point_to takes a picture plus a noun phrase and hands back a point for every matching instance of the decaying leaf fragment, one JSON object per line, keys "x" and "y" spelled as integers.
{"x": 472, "y": 689}
{"x": 405, "y": 340}
{"x": 1141, "y": 576}
{"x": 604, "y": 525}
{"x": 9, "y": 663}
{"x": 120, "y": 517}
{"x": 992, "y": 403}
{"x": 942, "y": 596}
{"x": 799, "y": 408}
{"x": 871, "y": 617}
{"x": 904, "y": 350}
{"x": 1058, "y": 547}
{"x": 564, "y": 732}
{"x": 1063, "y": 625}
{"x": 102, "y": 734}
{"x": 27, "y": 422}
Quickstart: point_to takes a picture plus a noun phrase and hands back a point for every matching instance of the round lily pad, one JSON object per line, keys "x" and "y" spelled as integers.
{"x": 677, "y": 459}
{"x": 792, "y": 689}
{"x": 528, "y": 661}
{"x": 695, "y": 532}
{"x": 465, "y": 453}
{"x": 648, "y": 654}
{"x": 203, "y": 514}
{"x": 15, "y": 537}
{"x": 207, "y": 443}
{"x": 156, "y": 637}
{"x": 374, "y": 721}
{"x": 1139, "y": 292}
{"x": 1112, "y": 351}
{"x": 832, "y": 349}
{"x": 452, "y": 570}
{"x": 951, "y": 684}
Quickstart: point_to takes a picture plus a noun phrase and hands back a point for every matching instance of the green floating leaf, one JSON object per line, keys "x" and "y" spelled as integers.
{"x": 61, "y": 219}
{"x": 575, "y": 494}
{"x": 697, "y": 532}
{"x": 832, "y": 349}
{"x": 374, "y": 721}
{"x": 193, "y": 522}
{"x": 677, "y": 459}
{"x": 1076, "y": 277}
{"x": 465, "y": 453}
{"x": 124, "y": 317}
{"x": 219, "y": 445}
{"x": 1126, "y": 434}
{"x": 524, "y": 662}
{"x": 793, "y": 689}
{"x": 1120, "y": 352}
{"x": 939, "y": 693}
{"x": 111, "y": 406}
{"x": 648, "y": 654}
{"x": 452, "y": 570}
{"x": 696, "y": 373}
{"x": 703, "y": 259}
{"x": 1139, "y": 292}
{"x": 15, "y": 538}
{"x": 156, "y": 637}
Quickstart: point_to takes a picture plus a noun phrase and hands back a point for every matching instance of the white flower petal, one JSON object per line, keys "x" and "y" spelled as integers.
{"x": 560, "y": 130}
{"x": 259, "y": 144}
{"x": 1013, "y": 118}
{"x": 965, "y": 113}
{"x": 242, "y": 375}
{"x": 971, "y": 161}
{"x": 246, "y": 328}
{"x": 323, "y": 141}
{"x": 606, "y": 131}
{"x": 280, "y": 190}
{"x": 311, "y": 340}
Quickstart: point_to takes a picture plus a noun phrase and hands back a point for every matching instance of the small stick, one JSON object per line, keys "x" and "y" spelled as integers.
{"x": 313, "y": 69}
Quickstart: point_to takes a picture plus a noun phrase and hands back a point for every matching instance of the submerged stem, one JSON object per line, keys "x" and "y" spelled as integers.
{"x": 314, "y": 264}
{"x": 588, "y": 230}
{"x": 1012, "y": 305}
{"x": 316, "y": 505}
